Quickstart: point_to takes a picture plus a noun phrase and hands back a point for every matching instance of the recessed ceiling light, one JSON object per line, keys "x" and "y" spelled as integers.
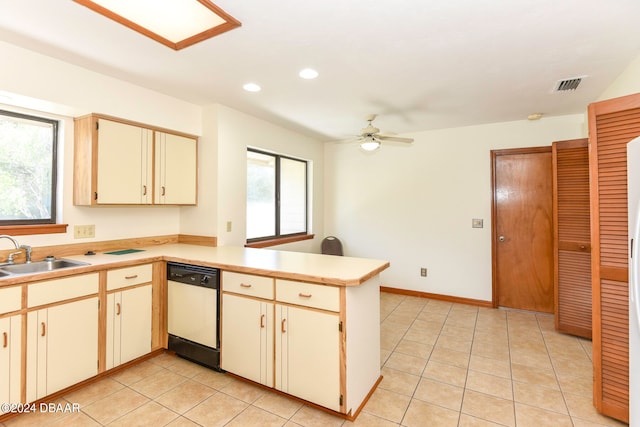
{"x": 252, "y": 87}
{"x": 308, "y": 73}
{"x": 174, "y": 23}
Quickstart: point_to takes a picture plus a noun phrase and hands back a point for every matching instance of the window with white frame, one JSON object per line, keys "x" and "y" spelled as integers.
{"x": 276, "y": 196}
{"x": 28, "y": 158}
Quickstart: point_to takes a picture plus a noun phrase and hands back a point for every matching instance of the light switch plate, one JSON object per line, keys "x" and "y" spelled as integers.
{"x": 84, "y": 231}
{"x": 477, "y": 223}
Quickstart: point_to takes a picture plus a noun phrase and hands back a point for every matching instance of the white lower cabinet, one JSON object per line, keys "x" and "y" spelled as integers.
{"x": 128, "y": 325}
{"x": 247, "y": 338}
{"x": 284, "y": 334}
{"x": 307, "y": 355}
{"x": 62, "y": 346}
{"x": 10, "y": 358}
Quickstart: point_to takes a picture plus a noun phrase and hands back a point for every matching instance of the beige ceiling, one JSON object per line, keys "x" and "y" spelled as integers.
{"x": 419, "y": 64}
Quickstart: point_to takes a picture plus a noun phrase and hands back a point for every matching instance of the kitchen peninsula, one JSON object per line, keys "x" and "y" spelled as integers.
{"x": 337, "y": 371}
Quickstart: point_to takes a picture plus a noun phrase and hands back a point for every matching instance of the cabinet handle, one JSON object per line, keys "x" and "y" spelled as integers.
{"x": 117, "y": 309}
{"x": 262, "y": 321}
{"x": 131, "y": 277}
{"x": 44, "y": 329}
{"x": 163, "y": 190}
{"x": 301, "y": 295}
{"x": 245, "y": 285}
{"x": 5, "y": 340}
{"x": 282, "y": 327}
{"x": 144, "y": 190}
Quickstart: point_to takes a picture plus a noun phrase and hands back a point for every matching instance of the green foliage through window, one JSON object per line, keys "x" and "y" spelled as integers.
{"x": 28, "y": 148}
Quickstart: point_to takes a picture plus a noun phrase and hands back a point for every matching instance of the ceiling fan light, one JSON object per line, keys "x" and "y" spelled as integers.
{"x": 369, "y": 144}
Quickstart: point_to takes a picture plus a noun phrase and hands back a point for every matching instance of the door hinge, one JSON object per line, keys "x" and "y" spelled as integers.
{"x": 97, "y": 125}
{"x": 95, "y": 195}
{"x": 340, "y": 326}
{"x": 341, "y": 399}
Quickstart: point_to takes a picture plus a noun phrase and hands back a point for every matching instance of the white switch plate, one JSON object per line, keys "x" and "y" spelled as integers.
{"x": 84, "y": 231}
{"x": 229, "y": 226}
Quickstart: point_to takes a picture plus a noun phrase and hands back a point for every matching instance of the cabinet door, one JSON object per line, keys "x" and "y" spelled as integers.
{"x": 72, "y": 344}
{"x": 247, "y": 338}
{"x": 62, "y": 346}
{"x": 10, "y": 339}
{"x": 114, "y": 307}
{"x": 36, "y": 354}
{"x": 135, "y": 330}
{"x": 124, "y": 169}
{"x": 308, "y": 355}
{"x": 128, "y": 325}
{"x": 176, "y": 169}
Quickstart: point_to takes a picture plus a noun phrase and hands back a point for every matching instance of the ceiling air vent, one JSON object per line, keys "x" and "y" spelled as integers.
{"x": 568, "y": 84}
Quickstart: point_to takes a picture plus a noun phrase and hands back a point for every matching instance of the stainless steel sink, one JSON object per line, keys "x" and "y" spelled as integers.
{"x": 39, "y": 266}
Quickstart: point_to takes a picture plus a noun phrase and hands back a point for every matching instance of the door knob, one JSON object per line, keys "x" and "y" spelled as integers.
{"x": 501, "y": 238}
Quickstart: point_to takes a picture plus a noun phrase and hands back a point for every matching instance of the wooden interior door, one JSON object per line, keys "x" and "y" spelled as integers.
{"x": 612, "y": 124}
{"x": 522, "y": 229}
{"x": 572, "y": 235}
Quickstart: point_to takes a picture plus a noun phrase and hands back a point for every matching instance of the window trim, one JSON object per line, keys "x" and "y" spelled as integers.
{"x": 24, "y": 230}
{"x": 278, "y": 238}
{"x": 279, "y": 241}
{"x": 18, "y": 226}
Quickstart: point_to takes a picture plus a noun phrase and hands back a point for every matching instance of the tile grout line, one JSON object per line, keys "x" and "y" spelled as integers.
{"x": 466, "y": 378}
{"x": 555, "y": 372}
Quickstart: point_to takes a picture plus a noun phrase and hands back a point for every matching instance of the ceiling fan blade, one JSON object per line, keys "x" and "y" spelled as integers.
{"x": 394, "y": 138}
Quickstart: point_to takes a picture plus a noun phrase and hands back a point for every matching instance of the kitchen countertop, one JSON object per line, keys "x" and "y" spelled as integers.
{"x": 315, "y": 268}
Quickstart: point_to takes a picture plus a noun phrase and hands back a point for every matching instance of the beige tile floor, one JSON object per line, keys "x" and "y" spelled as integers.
{"x": 444, "y": 364}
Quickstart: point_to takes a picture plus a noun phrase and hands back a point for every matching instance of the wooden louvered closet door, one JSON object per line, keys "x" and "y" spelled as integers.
{"x": 572, "y": 245}
{"x": 612, "y": 124}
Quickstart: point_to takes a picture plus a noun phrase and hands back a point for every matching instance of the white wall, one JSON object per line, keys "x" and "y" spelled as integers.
{"x": 236, "y": 132}
{"x": 413, "y": 205}
{"x": 201, "y": 220}
{"x": 627, "y": 83}
{"x": 61, "y": 90}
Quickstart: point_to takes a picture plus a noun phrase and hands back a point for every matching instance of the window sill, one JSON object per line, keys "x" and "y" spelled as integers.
{"x": 23, "y": 230}
{"x": 279, "y": 241}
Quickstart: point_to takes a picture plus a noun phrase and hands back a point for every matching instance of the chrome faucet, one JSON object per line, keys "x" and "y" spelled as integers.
{"x": 15, "y": 242}
{"x": 26, "y": 248}
{"x": 27, "y": 253}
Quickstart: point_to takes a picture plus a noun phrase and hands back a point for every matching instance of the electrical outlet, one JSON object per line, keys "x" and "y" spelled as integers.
{"x": 84, "y": 231}
{"x": 423, "y": 272}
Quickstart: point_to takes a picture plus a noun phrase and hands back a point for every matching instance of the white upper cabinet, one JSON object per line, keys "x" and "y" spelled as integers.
{"x": 175, "y": 169}
{"x": 115, "y": 160}
{"x": 124, "y": 164}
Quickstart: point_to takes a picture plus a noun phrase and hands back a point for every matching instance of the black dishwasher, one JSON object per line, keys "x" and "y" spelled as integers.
{"x": 193, "y": 313}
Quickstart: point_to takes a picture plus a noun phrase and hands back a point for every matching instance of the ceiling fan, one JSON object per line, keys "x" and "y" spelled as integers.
{"x": 370, "y": 137}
